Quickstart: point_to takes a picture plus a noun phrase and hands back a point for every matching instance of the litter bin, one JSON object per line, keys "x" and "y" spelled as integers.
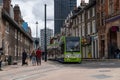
{"x": 9, "y": 60}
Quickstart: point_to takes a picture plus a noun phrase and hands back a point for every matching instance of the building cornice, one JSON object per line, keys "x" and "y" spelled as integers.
{"x": 114, "y": 18}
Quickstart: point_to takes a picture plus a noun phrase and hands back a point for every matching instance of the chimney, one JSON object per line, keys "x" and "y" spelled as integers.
{"x": 83, "y": 4}
{"x": 75, "y": 8}
{"x": 6, "y": 5}
{"x": 17, "y": 14}
{"x": 91, "y": 1}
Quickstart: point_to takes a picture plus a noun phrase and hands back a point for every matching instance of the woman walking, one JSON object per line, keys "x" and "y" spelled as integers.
{"x": 33, "y": 58}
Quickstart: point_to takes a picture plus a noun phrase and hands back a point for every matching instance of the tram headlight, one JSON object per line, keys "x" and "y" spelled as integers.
{"x": 67, "y": 56}
{"x": 77, "y": 55}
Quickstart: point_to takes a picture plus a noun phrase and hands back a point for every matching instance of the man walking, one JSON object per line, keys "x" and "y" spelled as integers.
{"x": 38, "y": 56}
{"x": 24, "y": 57}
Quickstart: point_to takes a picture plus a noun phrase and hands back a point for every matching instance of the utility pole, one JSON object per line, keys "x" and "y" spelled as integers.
{"x": 45, "y": 46}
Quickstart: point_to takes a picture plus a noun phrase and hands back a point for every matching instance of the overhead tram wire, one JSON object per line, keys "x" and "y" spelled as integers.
{"x": 55, "y": 19}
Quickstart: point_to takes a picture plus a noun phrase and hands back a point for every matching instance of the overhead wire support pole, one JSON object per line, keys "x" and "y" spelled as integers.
{"x": 45, "y": 44}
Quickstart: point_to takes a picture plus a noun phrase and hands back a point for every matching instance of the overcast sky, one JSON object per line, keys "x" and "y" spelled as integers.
{"x": 33, "y": 10}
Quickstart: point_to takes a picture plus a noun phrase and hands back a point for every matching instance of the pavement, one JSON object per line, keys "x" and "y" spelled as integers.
{"x": 52, "y": 70}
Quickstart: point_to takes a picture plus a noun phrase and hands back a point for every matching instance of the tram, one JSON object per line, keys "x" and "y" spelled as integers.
{"x": 68, "y": 49}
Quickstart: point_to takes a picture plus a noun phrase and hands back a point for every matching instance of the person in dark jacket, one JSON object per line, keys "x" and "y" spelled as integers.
{"x": 1, "y": 54}
{"x": 24, "y": 57}
{"x": 117, "y": 53}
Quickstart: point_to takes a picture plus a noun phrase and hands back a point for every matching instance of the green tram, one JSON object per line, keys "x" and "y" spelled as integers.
{"x": 67, "y": 50}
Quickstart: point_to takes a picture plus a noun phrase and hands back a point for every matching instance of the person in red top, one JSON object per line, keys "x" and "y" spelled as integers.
{"x": 38, "y": 56}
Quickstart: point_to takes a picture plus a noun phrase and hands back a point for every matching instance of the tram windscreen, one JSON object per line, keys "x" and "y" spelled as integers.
{"x": 72, "y": 44}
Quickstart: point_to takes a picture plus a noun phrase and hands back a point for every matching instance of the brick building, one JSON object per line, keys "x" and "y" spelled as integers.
{"x": 108, "y": 24}
{"x": 82, "y": 22}
{"x": 91, "y": 31}
{"x": 100, "y": 20}
{"x": 100, "y": 14}
{"x": 14, "y": 37}
{"x": 112, "y": 31}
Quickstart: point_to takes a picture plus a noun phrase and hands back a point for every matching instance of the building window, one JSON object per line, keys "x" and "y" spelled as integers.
{"x": 18, "y": 35}
{"x": 21, "y": 37}
{"x": 98, "y": 2}
{"x": 79, "y": 19}
{"x": 83, "y": 17}
{"x": 103, "y": 17}
{"x": 117, "y": 5}
{"x": 15, "y": 33}
{"x": 15, "y": 50}
{"x": 25, "y": 40}
{"x": 0, "y": 28}
{"x": 88, "y": 14}
{"x": 21, "y": 51}
{"x": 79, "y": 30}
{"x": 88, "y": 28}
{"x": 18, "y": 50}
{"x": 93, "y": 26}
{"x": 93, "y": 12}
{"x": 102, "y": 1}
{"x": 76, "y": 31}
{"x": 7, "y": 28}
{"x": 83, "y": 30}
{"x": 76, "y": 21}
{"x": 111, "y": 7}
{"x": 98, "y": 15}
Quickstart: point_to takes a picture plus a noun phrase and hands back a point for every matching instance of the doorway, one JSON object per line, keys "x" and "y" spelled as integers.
{"x": 102, "y": 48}
{"x": 112, "y": 43}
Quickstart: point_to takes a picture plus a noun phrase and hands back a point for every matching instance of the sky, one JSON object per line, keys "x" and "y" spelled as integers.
{"x": 32, "y": 11}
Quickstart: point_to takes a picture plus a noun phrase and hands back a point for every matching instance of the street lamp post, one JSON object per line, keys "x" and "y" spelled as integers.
{"x": 45, "y": 46}
{"x": 36, "y": 41}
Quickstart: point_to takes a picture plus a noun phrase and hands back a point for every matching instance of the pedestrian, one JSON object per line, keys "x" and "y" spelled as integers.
{"x": 33, "y": 58}
{"x": 24, "y": 57}
{"x": 43, "y": 55}
{"x": 1, "y": 58}
{"x": 117, "y": 52}
{"x": 38, "y": 56}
